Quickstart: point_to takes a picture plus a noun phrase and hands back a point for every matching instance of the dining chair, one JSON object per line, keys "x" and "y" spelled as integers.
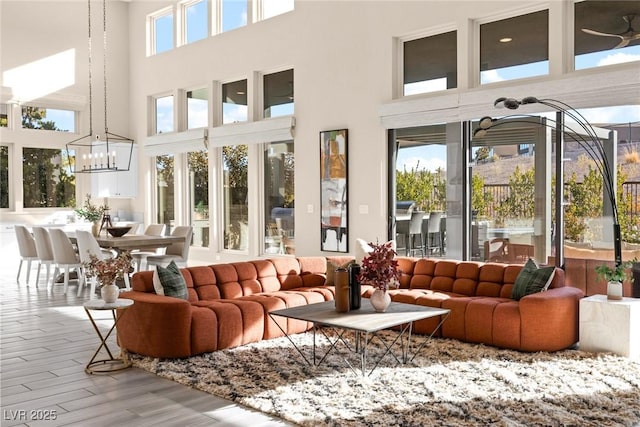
{"x": 44, "y": 250}
{"x": 434, "y": 234}
{"x": 415, "y": 229}
{"x": 178, "y": 252}
{"x": 65, "y": 257}
{"x": 141, "y": 256}
{"x": 87, "y": 246}
{"x": 402, "y": 235}
{"x": 27, "y": 249}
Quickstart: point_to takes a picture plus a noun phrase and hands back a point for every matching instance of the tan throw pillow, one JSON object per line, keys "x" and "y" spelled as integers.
{"x": 331, "y": 270}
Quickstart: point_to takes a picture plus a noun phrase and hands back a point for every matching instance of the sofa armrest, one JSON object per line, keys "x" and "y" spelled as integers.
{"x": 549, "y": 319}
{"x": 156, "y": 325}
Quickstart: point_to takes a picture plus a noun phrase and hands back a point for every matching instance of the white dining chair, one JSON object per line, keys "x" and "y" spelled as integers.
{"x": 141, "y": 256}
{"x": 27, "y": 249}
{"x": 434, "y": 233}
{"x": 44, "y": 251}
{"x": 87, "y": 246}
{"x": 178, "y": 252}
{"x": 65, "y": 257}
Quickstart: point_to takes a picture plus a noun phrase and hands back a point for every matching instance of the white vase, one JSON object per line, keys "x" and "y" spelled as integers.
{"x": 614, "y": 290}
{"x": 109, "y": 293}
{"x": 380, "y": 300}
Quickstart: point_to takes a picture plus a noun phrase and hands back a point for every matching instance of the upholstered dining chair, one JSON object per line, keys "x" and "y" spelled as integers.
{"x": 415, "y": 229}
{"x": 178, "y": 252}
{"x": 44, "y": 250}
{"x": 27, "y": 249}
{"x": 65, "y": 257}
{"x": 434, "y": 233}
{"x": 87, "y": 246}
{"x": 141, "y": 256}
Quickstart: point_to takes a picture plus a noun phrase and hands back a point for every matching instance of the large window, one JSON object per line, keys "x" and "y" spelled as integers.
{"x": 278, "y": 94}
{"x": 165, "y": 190}
{"x": 597, "y": 27}
{"x": 234, "y": 102}
{"x": 235, "y": 202}
{"x": 197, "y": 108}
{"x": 4, "y": 176}
{"x": 430, "y": 64}
{"x": 234, "y": 14}
{"x": 515, "y": 48}
{"x": 48, "y": 119}
{"x": 195, "y": 20}
{"x": 47, "y": 181}
{"x": 279, "y": 196}
{"x": 199, "y": 196}
{"x": 164, "y": 114}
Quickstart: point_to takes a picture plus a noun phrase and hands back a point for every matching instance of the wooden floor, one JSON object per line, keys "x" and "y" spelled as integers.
{"x": 46, "y": 340}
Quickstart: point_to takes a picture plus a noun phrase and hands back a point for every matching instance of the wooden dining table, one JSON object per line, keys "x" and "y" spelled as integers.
{"x": 137, "y": 241}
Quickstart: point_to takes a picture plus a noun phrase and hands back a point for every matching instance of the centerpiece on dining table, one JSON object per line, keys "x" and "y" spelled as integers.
{"x": 92, "y": 213}
{"x": 107, "y": 271}
{"x": 380, "y": 269}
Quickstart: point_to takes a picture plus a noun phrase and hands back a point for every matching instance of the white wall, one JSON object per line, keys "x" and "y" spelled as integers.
{"x": 343, "y": 56}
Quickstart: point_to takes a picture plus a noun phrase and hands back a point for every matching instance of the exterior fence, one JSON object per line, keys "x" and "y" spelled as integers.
{"x": 497, "y": 193}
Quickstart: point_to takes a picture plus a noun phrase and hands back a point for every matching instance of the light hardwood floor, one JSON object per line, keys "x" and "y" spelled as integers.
{"x": 46, "y": 340}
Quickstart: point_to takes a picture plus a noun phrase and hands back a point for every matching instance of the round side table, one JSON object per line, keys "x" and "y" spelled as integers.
{"x": 112, "y": 364}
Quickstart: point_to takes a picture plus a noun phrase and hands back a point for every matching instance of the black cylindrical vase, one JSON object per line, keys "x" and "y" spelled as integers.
{"x": 354, "y": 287}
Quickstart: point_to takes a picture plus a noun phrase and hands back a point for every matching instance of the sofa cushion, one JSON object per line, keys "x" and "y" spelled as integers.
{"x": 532, "y": 279}
{"x": 169, "y": 281}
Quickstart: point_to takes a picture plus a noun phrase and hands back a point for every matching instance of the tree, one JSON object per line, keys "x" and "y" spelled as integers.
{"x": 479, "y": 201}
{"x": 520, "y": 204}
{"x": 34, "y": 118}
{"x": 426, "y": 188}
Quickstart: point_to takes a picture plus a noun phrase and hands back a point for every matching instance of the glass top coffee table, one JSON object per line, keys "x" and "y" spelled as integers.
{"x": 365, "y": 323}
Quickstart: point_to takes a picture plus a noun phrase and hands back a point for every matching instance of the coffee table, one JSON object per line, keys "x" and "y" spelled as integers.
{"x": 365, "y": 323}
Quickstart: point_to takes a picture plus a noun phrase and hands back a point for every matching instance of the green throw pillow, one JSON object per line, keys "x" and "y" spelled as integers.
{"x": 170, "y": 282}
{"x": 532, "y": 279}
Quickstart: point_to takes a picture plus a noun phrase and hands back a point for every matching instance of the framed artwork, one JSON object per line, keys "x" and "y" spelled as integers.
{"x": 334, "y": 229}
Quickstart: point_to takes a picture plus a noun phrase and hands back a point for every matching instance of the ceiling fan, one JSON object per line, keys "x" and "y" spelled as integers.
{"x": 625, "y": 38}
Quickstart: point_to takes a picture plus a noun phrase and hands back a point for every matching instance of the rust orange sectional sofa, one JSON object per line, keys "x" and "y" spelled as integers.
{"x": 228, "y": 305}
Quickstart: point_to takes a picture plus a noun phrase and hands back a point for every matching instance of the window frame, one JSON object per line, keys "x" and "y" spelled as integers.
{"x": 183, "y": 21}
{"x": 152, "y": 29}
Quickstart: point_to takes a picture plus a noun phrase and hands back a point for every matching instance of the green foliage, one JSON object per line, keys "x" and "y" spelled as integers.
{"x": 34, "y": 118}
{"x": 629, "y": 226}
{"x": 619, "y": 273}
{"x": 46, "y": 179}
{"x": 479, "y": 200}
{"x": 521, "y": 200}
{"x": 199, "y": 167}
{"x": 427, "y": 189}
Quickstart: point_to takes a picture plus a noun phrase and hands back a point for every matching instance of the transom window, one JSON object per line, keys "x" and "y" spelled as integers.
{"x": 605, "y": 17}
{"x": 234, "y": 102}
{"x": 164, "y": 114}
{"x": 48, "y": 119}
{"x": 197, "y": 108}
{"x": 430, "y": 64}
{"x": 515, "y": 48}
{"x": 196, "y": 20}
{"x": 278, "y": 94}
{"x": 4, "y": 115}
{"x": 233, "y": 14}
{"x": 161, "y": 39}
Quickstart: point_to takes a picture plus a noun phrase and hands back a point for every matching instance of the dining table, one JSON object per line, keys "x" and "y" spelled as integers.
{"x": 137, "y": 241}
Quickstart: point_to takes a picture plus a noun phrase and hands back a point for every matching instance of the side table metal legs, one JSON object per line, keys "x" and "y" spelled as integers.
{"x": 112, "y": 364}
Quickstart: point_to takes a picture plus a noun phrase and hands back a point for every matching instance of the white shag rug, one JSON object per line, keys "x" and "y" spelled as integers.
{"x": 449, "y": 383}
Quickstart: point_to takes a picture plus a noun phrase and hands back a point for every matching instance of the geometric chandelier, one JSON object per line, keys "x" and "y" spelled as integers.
{"x": 99, "y": 151}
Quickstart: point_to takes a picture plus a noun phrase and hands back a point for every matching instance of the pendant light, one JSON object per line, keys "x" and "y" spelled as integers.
{"x": 98, "y": 150}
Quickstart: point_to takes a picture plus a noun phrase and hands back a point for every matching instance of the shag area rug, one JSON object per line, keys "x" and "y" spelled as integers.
{"x": 449, "y": 383}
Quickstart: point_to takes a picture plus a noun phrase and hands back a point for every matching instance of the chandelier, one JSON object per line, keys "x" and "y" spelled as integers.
{"x": 106, "y": 152}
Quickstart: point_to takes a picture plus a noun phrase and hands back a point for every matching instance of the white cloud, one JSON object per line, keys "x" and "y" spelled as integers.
{"x": 490, "y": 76}
{"x": 618, "y": 58}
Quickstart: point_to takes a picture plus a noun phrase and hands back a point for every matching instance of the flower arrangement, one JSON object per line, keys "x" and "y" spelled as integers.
{"x": 91, "y": 212}
{"x": 379, "y": 268}
{"x": 109, "y": 269}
